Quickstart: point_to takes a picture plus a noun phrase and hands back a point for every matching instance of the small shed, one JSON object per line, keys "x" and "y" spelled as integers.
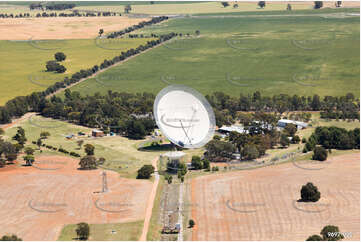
{"x": 97, "y": 133}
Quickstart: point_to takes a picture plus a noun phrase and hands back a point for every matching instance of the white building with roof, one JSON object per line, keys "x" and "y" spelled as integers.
{"x": 283, "y": 122}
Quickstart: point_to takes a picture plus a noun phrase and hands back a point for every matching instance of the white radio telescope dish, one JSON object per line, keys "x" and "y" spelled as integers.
{"x": 184, "y": 116}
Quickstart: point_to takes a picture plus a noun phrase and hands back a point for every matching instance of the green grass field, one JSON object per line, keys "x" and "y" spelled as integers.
{"x": 103, "y": 232}
{"x": 23, "y": 69}
{"x": 293, "y": 55}
{"x": 121, "y": 154}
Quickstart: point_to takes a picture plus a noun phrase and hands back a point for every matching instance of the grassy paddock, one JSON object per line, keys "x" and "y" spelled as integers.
{"x": 294, "y": 55}
{"x": 98, "y": 232}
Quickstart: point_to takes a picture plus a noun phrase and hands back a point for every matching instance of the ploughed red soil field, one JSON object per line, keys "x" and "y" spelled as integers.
{"x": 261, "y": 204}
{"x": 36, "y": 202}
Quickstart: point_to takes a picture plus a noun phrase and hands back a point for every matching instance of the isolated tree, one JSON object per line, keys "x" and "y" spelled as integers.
{"x": 39, "y": 142}
{"x": 101, "y": 31}
{"x": 20, "y": 136}
{"x": 44, "y": 134}
{"x": 82, "y": 231}
{"x": 88, "y": 162}
{"x": 331, "y": 233}
{"x": 29, "y": 151}
{"x": 145, "y": 172}
{"x": 127, "y": 8}
{"x": 198, "y": 32}
{"x": 235, "y": 5}
{"x": 318, "y": 4}
{"x": 319, "y": 153}
{"x": 225, "y": 4}
{"x": 168, "y": 178}
{"x": 196, "y": 162}
{"x": 338, "y": 4}
{"x": 191, "y": 223}
{"x": 262, "y": 4}
{"x": 284, "y": 140}
{"x": 10, "y": 238}
{"x": 310, "y": 193}
{"x": 89, "y": 149}
{"x": 80, "y": 143}
{"x": 289, "y": 7}
{"x": 60, "y": 56}
{"x": 250, "y": 152}
{"x": 29, "y": 159}
{"x": 314, "y": 237}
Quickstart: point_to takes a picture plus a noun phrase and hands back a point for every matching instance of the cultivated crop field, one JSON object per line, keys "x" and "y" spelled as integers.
{"x": 271, "y": 54}
{"x": 261, "y": 204}
{"x": 25, "y": 70}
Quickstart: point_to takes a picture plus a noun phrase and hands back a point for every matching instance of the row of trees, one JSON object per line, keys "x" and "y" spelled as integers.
{"x": 142, "y": 24}
{"x": 52, "y": 6}
{"x": 226, "y": 107}
{"x": 37, "y": 101}
{"x": 53, "y": 15}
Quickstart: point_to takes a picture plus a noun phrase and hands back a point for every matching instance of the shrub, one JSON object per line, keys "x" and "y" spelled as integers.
{"x": 82, "y": 231}
{"x": 191, "y": 223}
{"x": 310, "y": 193}
{"x": 319, "y": 153}
{"x": 314, "y": 237}
{"x": 196, "y": 162}
{"x": 88, "y": 162}
{"x": 10, "y": 238}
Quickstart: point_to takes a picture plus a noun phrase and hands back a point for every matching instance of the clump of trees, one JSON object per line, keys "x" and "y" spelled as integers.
{"x": 54, "y": 66}
{"x": 59, "y": 6}
{"x": 145, "y": 172}
{"x": 82, "y": 231}
{"x": 333, "y": 138}
{"x": 310, "y": 193}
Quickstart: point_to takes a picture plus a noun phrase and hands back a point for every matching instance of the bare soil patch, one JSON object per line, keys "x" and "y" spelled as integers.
{"x": 261, "y": 204}
{"x": 62, "y": 27}
{"x": 38, "y": 201}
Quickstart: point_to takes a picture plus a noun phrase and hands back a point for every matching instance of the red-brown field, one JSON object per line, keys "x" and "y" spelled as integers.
{"x": 261, "y": 204}
{"x": 37, "y": 201}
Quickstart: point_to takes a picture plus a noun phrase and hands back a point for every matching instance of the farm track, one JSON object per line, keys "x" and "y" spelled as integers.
{"x": 264, "y": 203}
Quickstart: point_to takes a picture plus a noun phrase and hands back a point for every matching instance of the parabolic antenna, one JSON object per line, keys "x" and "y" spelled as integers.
{"x": 184, "y": 116}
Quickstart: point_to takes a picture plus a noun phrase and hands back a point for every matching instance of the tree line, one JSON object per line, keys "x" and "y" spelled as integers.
{"x": 48, "y": 15}
{"x": 36, "y": 101}
{"x": 52, "y": 6}
{"x": 142, "y": 24}
{"x": 226, "y": 107}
